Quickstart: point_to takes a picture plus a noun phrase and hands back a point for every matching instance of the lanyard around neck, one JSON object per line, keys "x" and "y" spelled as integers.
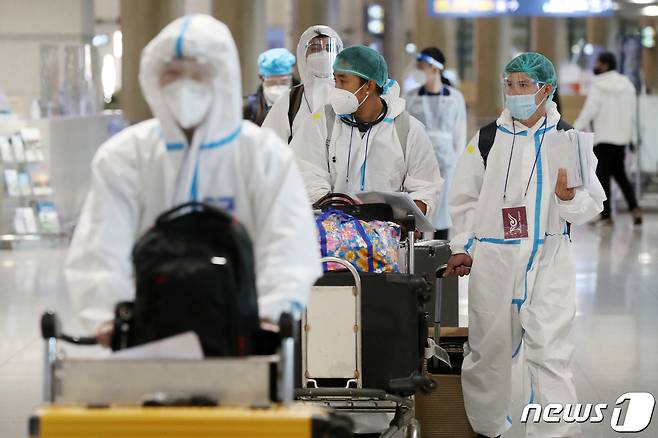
{"x": 534, "y": 165}
{"x": 365, "y": 159}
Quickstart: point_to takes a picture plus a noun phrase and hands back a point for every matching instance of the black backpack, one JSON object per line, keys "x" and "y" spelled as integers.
{"x": 194, "y": 271}
{"x": 488, "y": 136}
{"x": 295, "y": 101}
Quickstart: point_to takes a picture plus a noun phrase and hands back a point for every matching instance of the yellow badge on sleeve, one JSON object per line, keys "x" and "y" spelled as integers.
{"x": 470, "y": 149}
{"x": 316, "y": 116}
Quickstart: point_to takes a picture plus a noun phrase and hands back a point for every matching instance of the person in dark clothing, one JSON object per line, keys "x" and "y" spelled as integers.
{"x": 611, "y": 108}
{"x": 275, "y": 72}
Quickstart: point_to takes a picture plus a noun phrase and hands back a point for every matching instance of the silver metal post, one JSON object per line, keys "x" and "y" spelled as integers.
{"x": 287, "y": 372}
{"x": 411, "y": 259}
{"x": 50, "y": 361}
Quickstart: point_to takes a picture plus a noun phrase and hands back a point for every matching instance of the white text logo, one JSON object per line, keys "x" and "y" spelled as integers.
{"x": 632, "y": 414}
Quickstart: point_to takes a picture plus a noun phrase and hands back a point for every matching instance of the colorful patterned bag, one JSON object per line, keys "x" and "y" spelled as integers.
{"x": 369, "y": 246}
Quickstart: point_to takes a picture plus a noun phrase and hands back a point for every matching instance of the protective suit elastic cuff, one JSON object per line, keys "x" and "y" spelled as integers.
{"x": 459, "y": 249}
{"x": 561, "y": 202}
{"x": 462, "y": 248}
{"x": 574, "y": 201}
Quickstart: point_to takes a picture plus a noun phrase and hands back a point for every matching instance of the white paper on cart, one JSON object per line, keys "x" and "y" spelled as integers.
{"x": 184, "y": 346}
{"x": 402, "y": 205}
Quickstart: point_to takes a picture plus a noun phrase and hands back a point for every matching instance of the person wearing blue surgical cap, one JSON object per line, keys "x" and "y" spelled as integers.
{"x": 275, "y": 73}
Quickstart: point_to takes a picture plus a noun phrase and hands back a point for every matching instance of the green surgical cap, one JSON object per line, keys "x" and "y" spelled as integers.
{"x": 364, "y": 62}
{"x": 536, "y": 65}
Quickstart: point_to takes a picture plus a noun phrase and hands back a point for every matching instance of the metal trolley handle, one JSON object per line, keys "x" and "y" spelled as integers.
{"x": 349, "y": 266}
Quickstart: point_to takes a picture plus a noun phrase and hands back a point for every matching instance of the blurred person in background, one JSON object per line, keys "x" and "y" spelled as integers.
{"x": 441, "y": 108}
{"x": 316, "y": 53}
{"x": 275, "y": 74}
{"x": 611, "y": 107}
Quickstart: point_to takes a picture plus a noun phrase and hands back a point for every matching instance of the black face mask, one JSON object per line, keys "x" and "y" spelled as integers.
{"x": 598, "y": 71}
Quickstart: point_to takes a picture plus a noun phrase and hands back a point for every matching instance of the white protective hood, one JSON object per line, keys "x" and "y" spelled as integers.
{"x": 209, "y": 42}
{"x": 310, "y": 81}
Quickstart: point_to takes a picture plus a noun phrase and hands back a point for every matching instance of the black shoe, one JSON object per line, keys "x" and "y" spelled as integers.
{"x": 484, "y": 436}
{"x": 604, "y": 222}
{"x": 637, "y": 217}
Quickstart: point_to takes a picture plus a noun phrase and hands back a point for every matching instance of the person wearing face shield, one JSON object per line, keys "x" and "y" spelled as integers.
{"x": 374, "y": 144}
{"x": 275, "y": 73}
{"x": 316, "y": 52}
{"x": 196, "y": 148}
{"x": 441, "y": 108}
{"x": 511, "y": 222}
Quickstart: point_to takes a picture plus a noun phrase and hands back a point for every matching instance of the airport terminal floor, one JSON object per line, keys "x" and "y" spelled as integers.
{"x": 616, "y": 329}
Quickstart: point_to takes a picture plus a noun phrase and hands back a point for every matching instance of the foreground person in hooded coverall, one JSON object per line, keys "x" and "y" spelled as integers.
{"x": 196, "y": 148}
{"x": 522, "y": 284}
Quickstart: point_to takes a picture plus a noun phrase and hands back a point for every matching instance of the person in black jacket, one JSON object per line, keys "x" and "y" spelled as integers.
{"x": 275, "y": 72}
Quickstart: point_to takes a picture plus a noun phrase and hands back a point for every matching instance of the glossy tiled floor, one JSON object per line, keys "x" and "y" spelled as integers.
{"x": 616, "y": 327}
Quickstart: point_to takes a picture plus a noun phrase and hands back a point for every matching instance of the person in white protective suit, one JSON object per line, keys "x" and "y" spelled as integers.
{"x": 316, "y": 52}
{"x": 511, "y": 220}
{"x": 196, "y": 148}
{"x": 365, "y": 151}
{"x": 441, "y": 108}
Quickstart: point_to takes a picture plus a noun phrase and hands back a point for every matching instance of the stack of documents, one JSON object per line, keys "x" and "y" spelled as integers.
{"x": 572, "y": 151}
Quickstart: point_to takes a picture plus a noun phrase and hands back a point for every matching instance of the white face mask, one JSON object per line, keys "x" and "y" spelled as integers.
{"x": 344, "y": 102}
{"x": 320, "y": 65}
{"x": 189, "y": 101}
{"x": 273, "y": 92}
{"x": 418, "y": 76}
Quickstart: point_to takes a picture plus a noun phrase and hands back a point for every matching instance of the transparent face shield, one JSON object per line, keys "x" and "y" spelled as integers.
{"x": 321, "y": 53}
{"x": 277, "y": 80}
{"x": 515, "y": 86}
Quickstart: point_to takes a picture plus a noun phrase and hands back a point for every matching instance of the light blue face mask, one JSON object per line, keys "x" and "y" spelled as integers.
{"x": 522, "y": 106}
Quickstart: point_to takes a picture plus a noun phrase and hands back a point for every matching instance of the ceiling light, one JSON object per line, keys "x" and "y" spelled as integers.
{"x": 650, "y": 11}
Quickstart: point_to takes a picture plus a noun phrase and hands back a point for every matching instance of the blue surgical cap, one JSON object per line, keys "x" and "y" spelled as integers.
{"x": 276, "y": 62}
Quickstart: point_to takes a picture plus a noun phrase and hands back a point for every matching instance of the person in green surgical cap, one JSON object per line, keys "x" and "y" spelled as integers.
{"x": 365, "y": 140}
{"x": 511, "y": 219}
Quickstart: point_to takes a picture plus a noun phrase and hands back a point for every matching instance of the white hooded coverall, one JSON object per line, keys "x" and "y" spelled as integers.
{"x": 372, "y": 161}
{"x": 149, "y": 168}
{"x": 520, "y": 291}
{"x": 444, "y": 117}
{"x": 316, "y": 90}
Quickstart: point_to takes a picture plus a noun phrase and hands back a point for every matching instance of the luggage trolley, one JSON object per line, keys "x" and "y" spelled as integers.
{"x": 362, "y": 348}
{"x": 335, "y": 371}
{"x": 218, "y": 397}
{"x": 365, "y": 339}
